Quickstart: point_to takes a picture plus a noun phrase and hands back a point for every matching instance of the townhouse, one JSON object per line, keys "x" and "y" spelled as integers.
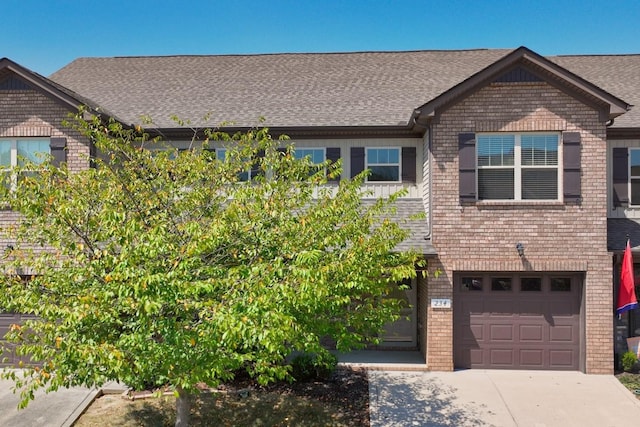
{"x": 527, "y": 168}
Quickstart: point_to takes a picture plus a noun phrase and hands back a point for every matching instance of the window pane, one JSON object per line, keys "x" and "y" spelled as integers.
{"x": 531, "y": 284}
{"x": 5, "y": 154}
{"x": 372, "y": 155}
{"x": 560, "y": 284}
{"x": 384, "y": 173}
{"x": 495, "y": 184}
{"x": 501, "y": 284}
{"x": 496, "y": 150}
{"x": 384, "y": 164}
{"x": 635, "y": 191}
{"x": 394, "y": 155}
{"x": 471, "y": 283}
{"x": 539, "y": 184}
{"x": 315, "y": 154}
{"x": 32, "y": 151}
{"x": 539, "y": 150}
{"x": 634, "y": 162}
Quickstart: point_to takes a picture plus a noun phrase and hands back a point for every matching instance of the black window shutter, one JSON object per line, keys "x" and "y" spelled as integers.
{"x": 620, "y": 176}
{"x": 409, "y": 164}
{"x": 357, "y": 160}
{"x": 571, "y": 143}
{"x": 333, "y": 154}
{"x": 58, "y": 147}
{"x": 467, "y": 167}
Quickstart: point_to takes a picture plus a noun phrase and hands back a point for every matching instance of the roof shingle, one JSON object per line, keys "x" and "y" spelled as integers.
{"x": 314, "y": 89}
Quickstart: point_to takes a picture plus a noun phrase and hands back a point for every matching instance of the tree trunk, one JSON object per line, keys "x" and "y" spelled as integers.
{"x": 183, "y": 408}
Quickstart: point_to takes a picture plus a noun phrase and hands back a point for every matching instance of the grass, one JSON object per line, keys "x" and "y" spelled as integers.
{"x": 340, "y": 401}
{"x": 258, "y": 409}
{"x": 630, "y": 381}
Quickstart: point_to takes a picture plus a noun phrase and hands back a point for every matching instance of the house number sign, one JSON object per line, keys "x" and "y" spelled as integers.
{"x": 440, "y": 302}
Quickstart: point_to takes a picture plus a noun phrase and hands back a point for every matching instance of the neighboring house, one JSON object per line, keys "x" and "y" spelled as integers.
{"x": 527, "y": 168}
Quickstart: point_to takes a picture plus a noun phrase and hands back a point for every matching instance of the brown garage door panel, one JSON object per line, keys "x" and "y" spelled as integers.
{"x": 531, "y": 333}
{"x": 531, "y": 359}
{"x": 517, "y": 328}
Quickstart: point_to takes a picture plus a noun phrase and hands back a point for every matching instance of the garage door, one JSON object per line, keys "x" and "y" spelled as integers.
{"x": 8, "y": 357}
{"x": 517, "y": 321}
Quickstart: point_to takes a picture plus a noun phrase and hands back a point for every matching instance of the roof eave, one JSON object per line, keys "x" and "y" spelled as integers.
{"x": 303, "y": 132}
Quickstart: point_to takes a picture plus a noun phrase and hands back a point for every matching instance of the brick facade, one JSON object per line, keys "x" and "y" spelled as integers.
{"x": 557, "y": 236}
{"x": 27, "y": 113}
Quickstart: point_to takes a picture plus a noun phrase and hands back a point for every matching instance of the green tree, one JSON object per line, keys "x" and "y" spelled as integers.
{"x": 159, "y": 267}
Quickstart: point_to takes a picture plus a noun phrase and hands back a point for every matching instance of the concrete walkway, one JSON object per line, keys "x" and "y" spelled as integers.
{"x": 499, "y": 398}
{"x": 58, "y": 409}
{"x": 400, "y": 398}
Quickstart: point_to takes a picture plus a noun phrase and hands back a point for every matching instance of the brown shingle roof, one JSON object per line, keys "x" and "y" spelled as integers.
{"x": 337, "y": 89}
{"x": 617, "y": 74}
{"x": 326, "y": 89}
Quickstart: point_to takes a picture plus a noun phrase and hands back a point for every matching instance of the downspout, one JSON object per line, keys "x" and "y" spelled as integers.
{"x": 430, "y": 201}
{"x": 426, "y": 159}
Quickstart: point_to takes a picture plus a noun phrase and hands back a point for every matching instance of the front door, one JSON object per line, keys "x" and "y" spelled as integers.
{"x": 403, "y": 332}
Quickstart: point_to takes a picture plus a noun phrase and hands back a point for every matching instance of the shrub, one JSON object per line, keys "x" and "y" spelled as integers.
{"x": 310, "y": 366}
{"x": 629, "y": 361}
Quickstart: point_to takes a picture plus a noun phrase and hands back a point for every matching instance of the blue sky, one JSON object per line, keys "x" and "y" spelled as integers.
{"x": 44, "y": 35}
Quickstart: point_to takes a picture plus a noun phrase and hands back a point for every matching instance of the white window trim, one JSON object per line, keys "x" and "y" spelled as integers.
{"x": 518, "y": 167}
{"x": 367, "y": 164}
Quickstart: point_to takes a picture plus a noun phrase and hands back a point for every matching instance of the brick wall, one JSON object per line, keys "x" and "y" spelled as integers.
{"x": 557, "y": 236}
{"x": 25, "y": 113}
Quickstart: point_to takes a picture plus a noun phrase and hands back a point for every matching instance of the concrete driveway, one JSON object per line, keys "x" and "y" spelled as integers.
{"x": 500, "y": 398}
{"x": 59, "y": 409}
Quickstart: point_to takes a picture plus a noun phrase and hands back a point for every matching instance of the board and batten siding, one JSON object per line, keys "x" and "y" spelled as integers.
{"x": 624, "y": 211}
{"x": 415, "y": 190}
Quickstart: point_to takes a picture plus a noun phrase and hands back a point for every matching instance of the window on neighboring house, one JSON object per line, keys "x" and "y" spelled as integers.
{"x": 634, "y": 175}
{"x": 20, "y": 152}
{"x": 247, "y": 175}
{"x": 522, "y": 166}
{"x": 384, "y": 164}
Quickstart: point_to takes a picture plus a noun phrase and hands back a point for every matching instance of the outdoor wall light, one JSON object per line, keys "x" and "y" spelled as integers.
{"x": 520, "y": 249}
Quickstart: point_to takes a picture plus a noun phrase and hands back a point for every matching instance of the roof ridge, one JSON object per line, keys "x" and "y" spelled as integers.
{"x": 589, "y": 55}
{"x": 355, "y": 52}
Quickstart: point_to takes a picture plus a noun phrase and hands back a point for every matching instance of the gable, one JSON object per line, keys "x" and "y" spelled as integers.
{"x": 525, "y": 66}
{"x": 519, "y": 74}
{"x": 11, "y": 82}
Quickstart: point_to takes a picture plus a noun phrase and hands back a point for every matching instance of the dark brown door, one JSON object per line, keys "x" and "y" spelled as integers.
{"x": 517, "y": 321}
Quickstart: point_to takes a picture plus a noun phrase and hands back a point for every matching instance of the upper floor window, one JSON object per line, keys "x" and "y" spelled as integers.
{"x": 384, "y": 164}
{"x": 22, "y": 152}
{"x": 244, "y": 176}
{"x": 518, "y": 166}
{"x": 316, "y": 155}
{"x": 634, "y": 175}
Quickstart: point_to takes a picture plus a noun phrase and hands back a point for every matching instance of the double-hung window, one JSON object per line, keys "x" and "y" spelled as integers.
{"x": 384, "y": 164}
{"x": 518, "y": 166}
{"x": 21, "y": 152}
{"x": 244, "y": 176}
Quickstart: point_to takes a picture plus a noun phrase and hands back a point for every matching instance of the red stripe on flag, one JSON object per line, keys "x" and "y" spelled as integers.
{"x": 626, "y": 294}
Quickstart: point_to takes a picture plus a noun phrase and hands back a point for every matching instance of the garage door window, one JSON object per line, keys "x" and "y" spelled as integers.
{"x": 501, "y": 284}
{"x": 560, "y": 284}
{"x": 531, "y": 284}
{"x": 471, "y": 284}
